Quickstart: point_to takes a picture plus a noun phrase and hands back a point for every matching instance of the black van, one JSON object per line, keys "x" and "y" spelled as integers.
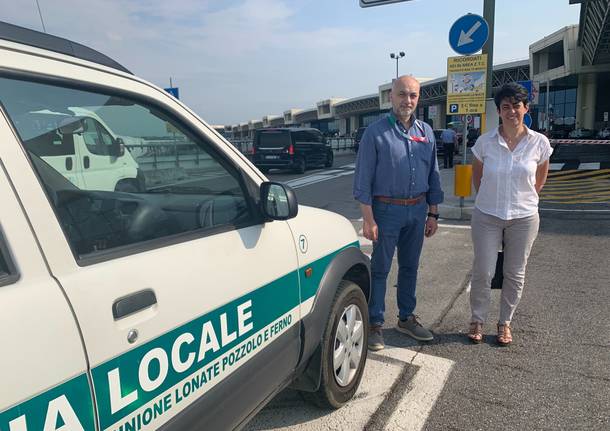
{"x": 290, "y": 147}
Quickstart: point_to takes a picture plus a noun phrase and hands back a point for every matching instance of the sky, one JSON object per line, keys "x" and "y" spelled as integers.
{"x": 239, "y": 60}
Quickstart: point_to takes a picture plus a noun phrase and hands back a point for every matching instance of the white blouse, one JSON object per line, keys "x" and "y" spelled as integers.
{"x": 508, "y": 186}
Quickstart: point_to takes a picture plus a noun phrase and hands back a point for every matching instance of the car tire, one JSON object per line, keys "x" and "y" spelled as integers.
{"x": 340, "y": 379}
{"x": 330, "y": 159}
{"x": 300, "y": 166}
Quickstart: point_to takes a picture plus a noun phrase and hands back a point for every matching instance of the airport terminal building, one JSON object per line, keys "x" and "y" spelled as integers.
{"x": 570, "y": 66}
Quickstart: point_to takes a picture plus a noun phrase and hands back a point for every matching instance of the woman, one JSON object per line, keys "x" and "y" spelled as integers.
{"x": 509, "y": 169}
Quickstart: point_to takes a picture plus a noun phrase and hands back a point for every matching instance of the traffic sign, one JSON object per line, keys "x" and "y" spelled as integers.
{"x": 466, "y": 79}
{"x": 174, "y": 91}
{"x": 468, "y": 34}
{"x": 527, "y": 120}
{"x": 533, "y": 90}
{"x": 469, "y": 119}
{"x": 369, "y": 3}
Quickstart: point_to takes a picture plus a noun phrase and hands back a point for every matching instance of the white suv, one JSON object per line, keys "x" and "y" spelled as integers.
{"x": 184, "y": 302}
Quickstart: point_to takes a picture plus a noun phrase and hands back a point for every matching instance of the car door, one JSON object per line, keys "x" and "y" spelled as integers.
{"x": 56, "y": 149}
{"x": 43, "y": 368}
{"x": 186, "y": 300}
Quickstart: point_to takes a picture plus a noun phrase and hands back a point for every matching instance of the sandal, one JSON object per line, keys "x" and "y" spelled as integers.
{"x": 476, "y": 332}
{"x": 504, "y": 335}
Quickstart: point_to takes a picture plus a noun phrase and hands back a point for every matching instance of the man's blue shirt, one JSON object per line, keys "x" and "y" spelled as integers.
{"x": 396, "y": 162}
{"x": 448, "y": 136}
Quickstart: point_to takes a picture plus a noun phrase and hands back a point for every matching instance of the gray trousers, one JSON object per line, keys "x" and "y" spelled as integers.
{"x": 487, "y": 231}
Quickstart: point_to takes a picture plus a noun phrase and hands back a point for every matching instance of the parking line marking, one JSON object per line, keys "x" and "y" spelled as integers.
{"x": 589, "y": 166}
{"x": 425, "y": 387}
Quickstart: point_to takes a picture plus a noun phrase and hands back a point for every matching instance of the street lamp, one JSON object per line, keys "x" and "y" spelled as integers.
{"x": 397, "y": 57}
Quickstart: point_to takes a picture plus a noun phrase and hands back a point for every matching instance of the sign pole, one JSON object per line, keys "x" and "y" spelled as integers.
{"x": 489, "y": 8}
{"x": 464, "y": 138}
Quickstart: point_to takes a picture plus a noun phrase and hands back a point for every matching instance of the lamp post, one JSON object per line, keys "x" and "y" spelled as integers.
{"x": 397, "y": 57}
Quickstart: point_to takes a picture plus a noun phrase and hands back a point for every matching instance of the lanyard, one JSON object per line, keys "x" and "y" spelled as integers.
{"x": 394, "y": 122}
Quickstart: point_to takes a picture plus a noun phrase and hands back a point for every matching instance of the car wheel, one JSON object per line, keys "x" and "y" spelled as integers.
{"x": 343, "y": 347}
{"x": 300, "y": 166}
{"x": 330, "y": 159}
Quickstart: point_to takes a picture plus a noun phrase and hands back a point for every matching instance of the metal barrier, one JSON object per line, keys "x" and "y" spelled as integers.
{"x": 580, "y": 141}
{"x": 164, "y": 154}
{"x": 341, "y": 144}
{"x": 338, "y": 144}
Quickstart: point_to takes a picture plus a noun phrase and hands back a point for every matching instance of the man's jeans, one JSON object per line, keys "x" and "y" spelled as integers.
{"x": 399, "y": 227}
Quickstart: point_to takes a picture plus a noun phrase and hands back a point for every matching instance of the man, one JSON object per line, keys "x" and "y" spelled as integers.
{"x": 450, "y": 140}
{"x": 397, "y": 183}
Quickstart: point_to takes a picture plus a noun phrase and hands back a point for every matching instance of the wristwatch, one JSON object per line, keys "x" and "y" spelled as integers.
{"x": 433, "y": 215}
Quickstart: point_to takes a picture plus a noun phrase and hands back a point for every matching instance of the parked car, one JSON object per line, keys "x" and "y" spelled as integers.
{"x": 439, "y": 142}
{"x": 603, "y": 134}
{"x": 291, "y": 147}
{"x": 473, "y": 135}
{"x": 184, "y": 306}
{"x": 358, "y": 137}
{"x": 582, "y": 134}
{"x": 558, "y": 134}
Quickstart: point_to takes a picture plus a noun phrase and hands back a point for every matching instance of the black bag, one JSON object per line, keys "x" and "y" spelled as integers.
{"x": 496, "y": 282}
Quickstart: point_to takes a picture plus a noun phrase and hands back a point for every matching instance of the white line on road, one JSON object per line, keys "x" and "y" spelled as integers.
{"x": 555, "y": 166}
{"x": 589, "y": 166}
{"x": 288, "y": 412}
{"x": 413, "y": 410}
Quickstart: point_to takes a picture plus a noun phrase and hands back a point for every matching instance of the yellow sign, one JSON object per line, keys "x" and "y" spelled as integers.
{"x": 466, "y": 80}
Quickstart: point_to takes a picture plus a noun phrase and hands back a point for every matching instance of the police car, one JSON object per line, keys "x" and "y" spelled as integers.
{"x": 187, "y": 303}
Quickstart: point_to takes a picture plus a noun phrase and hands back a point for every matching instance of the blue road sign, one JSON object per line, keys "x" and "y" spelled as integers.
{"x": 174, "y": 91}
{"x": 527, "y": 120}
{"x": 468, "y": 34}
{"x": 531, "y": 91}
{"x": 454, "y": 107}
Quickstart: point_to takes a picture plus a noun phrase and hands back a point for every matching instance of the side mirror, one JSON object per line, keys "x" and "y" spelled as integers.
{"x": 278, "y": 201}
{"x": 117, "y": 149}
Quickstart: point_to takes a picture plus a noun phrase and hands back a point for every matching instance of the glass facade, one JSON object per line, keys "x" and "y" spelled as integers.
{"x": 370, "y": 117}
{"x": 562, "y": 110}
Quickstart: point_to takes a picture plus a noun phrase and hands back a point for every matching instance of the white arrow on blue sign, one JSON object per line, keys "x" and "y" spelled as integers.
{"x": 468, "y": 34}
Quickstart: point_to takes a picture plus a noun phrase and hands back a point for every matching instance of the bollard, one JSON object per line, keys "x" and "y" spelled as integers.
{"x": 463, "y": 180}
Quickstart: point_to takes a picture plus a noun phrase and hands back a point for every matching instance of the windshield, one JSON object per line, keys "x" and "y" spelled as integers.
{"x": 273, "y": 139}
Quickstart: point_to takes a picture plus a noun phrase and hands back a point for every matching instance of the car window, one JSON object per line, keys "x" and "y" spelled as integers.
{"x": 96, "y": 137}
{"x": 157, "y": 181}
{"x": 273, "y": 138}
{"x": 297, "y": 137}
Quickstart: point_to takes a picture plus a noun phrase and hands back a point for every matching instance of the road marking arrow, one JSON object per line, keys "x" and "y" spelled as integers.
{"x": 465, "y": 37}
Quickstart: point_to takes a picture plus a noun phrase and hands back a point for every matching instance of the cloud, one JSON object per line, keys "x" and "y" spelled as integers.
{"x": 236, "y": 60}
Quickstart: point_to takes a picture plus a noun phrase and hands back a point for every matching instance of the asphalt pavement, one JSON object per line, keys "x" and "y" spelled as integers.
{"x": 555, "y": 375}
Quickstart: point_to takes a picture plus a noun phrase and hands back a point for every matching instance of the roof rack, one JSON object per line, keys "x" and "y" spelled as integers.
{"x": 37, "y": 39}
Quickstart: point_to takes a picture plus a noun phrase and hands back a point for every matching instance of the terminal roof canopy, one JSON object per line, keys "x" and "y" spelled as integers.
{"x": 369, "y": 3}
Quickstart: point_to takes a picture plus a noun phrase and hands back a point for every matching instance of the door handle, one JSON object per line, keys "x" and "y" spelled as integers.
{"x": 68, "y": 163}
{"x": 133, "y": 303}
{"x": 86, "y": 162}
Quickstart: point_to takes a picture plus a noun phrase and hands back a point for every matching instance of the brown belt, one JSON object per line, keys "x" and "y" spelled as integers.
{"x": 399, "y": 201}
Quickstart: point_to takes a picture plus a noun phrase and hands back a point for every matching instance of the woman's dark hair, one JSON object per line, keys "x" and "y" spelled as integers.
{"x": 514, "y": 92}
